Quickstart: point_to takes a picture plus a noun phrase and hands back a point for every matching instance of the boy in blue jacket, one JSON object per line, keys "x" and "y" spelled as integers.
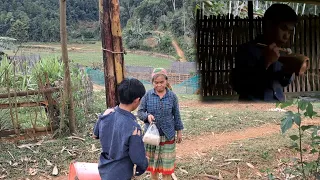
{"x": 119, "y": 134}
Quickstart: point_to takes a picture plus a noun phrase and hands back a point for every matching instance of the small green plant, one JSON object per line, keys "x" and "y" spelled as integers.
{"x": 304, "y": 108}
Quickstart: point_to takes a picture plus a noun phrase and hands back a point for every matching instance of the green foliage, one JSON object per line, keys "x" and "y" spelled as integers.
{"x": 51, "y": 66}
{"x": 19, "y": 30}
{"x": 306, "y": 169}
{"x": 38, "y": 20}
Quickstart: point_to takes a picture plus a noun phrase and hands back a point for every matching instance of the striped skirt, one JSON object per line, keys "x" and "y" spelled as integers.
{"x": 162, "y": 158}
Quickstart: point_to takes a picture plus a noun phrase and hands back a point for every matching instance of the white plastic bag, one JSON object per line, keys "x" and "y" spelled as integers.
{"x": 152, "y": 135}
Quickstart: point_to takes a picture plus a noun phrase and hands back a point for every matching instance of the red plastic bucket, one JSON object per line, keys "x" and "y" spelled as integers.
{"x": 83, "y": 171}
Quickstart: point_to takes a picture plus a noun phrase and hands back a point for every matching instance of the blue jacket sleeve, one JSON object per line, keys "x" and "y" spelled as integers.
{"x": 178, "y": 125}
{"x": 142, "y": 110}
{"x": 137, "y": 154}
{"x": 96, "y": 129}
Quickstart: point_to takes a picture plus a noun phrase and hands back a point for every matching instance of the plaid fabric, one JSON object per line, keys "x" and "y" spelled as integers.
{"x": 162, "y": 157}
{"x": 165, "y": 111}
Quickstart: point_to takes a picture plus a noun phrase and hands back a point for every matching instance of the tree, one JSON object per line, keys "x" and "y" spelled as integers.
{"x": 19, "y": 30}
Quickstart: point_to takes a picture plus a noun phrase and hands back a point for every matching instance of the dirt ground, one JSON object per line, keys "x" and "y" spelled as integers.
{"x": 202, "y": 144}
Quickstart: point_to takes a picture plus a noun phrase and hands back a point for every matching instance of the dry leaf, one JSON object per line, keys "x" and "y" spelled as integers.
{"x": 93, "y": 147}
{"x": 174, "y": 177}
{"x": 221, "y": 165}
{"x": 48, "y": 162}
{"x": 250, "y": 165}
{"x": 184, "y": 171}
{"x": 258, "y": 174}
{"x": 15, "y": 164}
{"x": 227, "y": 160}
{"x": 220, "y": 176}
{"x": 238, "y": 174}
{"x": 55, "y": 171}
{"x": 3, "y": 176}
{"x": 32, "y": 171}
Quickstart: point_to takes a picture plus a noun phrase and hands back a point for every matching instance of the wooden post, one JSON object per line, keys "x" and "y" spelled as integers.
{"x": 112, "y": 48}
{"x": 67, "y": 77}
{"x": 117, "y": 39}
{"x": 250, "y": 15}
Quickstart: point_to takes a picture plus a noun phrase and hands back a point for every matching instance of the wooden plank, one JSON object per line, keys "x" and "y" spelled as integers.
{"x": 220, "y": 54}
{"x": 317, "y": 38}
{"x": 229, "y": 55}
{"x": 205, "y": 58}
{"x": 312, "y": 51}
{"x": 234, "y": 43}
{"x": 250, "y": 15}
{"x": 298, "y": 44}
{"x": 237, "y": 40}
{"x": 24, "y": 104}
{"x": 211, "y": 58}
{"x": 30, "y": 92}
{"x": 215, "y": 56}
{"x": 303, "y": 49}
{"x": 307, "y": 49}
{"x": 198, "y": 42}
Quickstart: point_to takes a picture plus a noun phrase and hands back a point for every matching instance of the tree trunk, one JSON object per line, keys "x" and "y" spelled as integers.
{"x": 256, "y": 5}
{"x": 67, "y": 93}
{"x": 236, "y": 8}
{"x": 303, "y": 8}
{"x": 117, "y": 40}
{"x": 315, "y": 9}
{"x": 174, "y": 5}
{"x": 297, "y": 8}
{"x": 108, "y": 59}
{"x": 230, "y": 8}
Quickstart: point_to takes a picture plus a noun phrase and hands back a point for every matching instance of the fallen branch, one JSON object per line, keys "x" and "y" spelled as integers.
{"x": 210, "y": 176}
{"x": 75, "y": 137}
{"x": 225, "y": 164}
{"x": 229, "y": 160}
{"x": 11, "y": 156}
{"x": 30, "y": 145}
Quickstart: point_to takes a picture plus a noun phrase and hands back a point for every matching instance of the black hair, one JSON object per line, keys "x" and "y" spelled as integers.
{"x": 278, "y": 13}
{"x": 129, "y": 90}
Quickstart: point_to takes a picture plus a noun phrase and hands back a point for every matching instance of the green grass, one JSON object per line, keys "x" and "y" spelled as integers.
{"x": 261, "y": 152}
{"x": 197, "y": 121}
{"x": 92, "y": 53}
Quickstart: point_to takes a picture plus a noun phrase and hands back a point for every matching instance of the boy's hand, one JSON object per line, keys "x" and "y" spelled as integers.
{"x": 136, "y": 132}
{"x": 272, "y": 54}
{"x": 108, "y": 111}
{"x": 179, "y": 137}
{"x": 150, "y": 118}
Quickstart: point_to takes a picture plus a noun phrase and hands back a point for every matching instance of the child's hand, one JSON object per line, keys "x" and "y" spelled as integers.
{"x": 108, "y": 111}
{"x": 136, "y": 132}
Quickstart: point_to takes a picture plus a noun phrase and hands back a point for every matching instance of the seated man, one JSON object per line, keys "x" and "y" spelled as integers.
{"x": 258, "y": 76}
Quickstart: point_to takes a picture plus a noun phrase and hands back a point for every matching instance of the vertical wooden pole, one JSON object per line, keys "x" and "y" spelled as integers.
{"x": 108, "y": 59}
{"x": 67, "y": 78}
{"x": 117, "y": 39}
{"x": 250, "y": 15}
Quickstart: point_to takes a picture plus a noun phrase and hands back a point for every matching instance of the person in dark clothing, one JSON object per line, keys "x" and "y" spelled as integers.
{"x": 258, "y": 75}
{"x": 120, "y": 138}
